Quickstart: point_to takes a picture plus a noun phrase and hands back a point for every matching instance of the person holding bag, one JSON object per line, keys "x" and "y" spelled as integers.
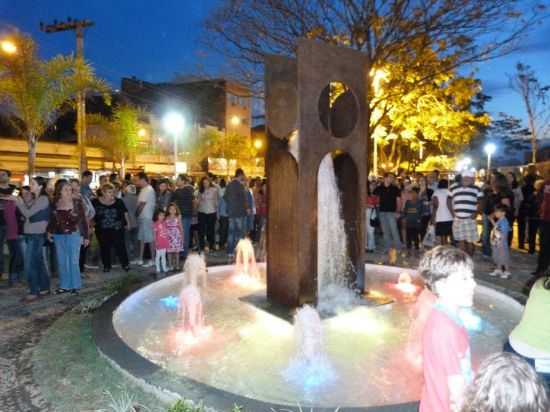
{"x": 372, "y": 220}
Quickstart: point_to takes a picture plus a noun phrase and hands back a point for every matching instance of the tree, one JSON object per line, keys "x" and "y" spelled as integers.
{"x": 534, "y": 97}
{"x": 420, "y": 45}
{"x": 213, "y": 143}
{"x": 35, "y": 90}
{"x": 463, "y": 32}
{"x": 119, "y": 134}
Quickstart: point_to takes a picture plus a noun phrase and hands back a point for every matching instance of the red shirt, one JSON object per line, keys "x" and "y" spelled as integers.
{"x": 162, "y": 239}
{"x": 446, "y": 353}
{"x": 373, "y": 201}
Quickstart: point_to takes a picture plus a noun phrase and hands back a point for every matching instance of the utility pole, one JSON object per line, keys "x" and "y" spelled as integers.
{"x": 78, "y": 27}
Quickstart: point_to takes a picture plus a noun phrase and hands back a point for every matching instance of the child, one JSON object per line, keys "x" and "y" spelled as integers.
{"x": 413, "y": 211}
{"x": 504, "y": 383}
{"x": 175, "y": 236}
{"x": 499, "y": 242}
{"x": 162, "y": 241}
{"x": 448, "y": 273}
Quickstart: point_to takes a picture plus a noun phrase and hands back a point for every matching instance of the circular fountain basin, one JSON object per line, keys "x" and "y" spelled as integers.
{"x": 248, "y": 349}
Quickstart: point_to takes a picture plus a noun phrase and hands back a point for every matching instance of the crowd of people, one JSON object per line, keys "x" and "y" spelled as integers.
{"x": 49, "y": 225}
{"x": 430, "y": 209}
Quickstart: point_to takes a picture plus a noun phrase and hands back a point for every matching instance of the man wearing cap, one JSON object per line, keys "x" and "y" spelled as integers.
{"x": 464, "y": 204}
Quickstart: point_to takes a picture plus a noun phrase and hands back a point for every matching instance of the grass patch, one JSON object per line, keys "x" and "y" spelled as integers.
{"x": 74, "y": 377}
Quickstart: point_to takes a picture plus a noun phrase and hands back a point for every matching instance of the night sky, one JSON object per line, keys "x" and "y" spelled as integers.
{"x": 155, "y": 39}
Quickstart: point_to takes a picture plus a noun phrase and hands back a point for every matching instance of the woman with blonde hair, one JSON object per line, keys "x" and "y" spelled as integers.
{"x": 505, "y": 383}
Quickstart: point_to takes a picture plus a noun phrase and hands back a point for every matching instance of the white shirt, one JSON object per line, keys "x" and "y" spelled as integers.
{"x": 442, "y": 214}
{"x": 147, "y": 195}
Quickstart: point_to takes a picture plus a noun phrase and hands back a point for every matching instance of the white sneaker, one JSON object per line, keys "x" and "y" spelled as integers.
{"x": 505, "y": 275}
{"x": 147, "y": 264}
{"x": 138, "y": 262}
{"x": 86, "y": 266}
{"x": 496, "y": 273}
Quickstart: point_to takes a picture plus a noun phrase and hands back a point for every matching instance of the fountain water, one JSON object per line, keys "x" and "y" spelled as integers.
{"x": 310, "y": 366}
{"x": 246, "y": 270}
{"x": 191, "y": 328}
{"x": 333, "y": 263}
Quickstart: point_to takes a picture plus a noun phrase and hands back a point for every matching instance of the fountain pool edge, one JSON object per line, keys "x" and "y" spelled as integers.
{"x": 169, "y": 387}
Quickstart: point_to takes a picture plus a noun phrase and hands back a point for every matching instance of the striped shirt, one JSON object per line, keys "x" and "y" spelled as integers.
{"x": 465, "y": 199}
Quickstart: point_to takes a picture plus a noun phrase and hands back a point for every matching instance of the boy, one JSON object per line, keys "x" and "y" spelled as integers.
{"x": 499, "y": 242}
{"x": 448, "y": 273}
{"x": 413, "y": 211}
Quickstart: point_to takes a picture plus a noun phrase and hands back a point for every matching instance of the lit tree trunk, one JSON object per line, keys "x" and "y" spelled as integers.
{"x": 122, "y": 167}
{"x": 31, "y": 140}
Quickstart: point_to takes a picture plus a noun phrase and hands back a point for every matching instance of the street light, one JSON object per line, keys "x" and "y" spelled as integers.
{"x": 142, "y": 132}
{"x": 258, "y": 144}
{"x": 174, "y": 123}
{"x": 235, "y": 120}
{"x": 8, "y": 47}
{"x": 489, "y": 148}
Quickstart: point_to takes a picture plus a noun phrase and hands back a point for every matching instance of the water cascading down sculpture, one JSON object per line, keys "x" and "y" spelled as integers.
{"x": 327, "y": 119}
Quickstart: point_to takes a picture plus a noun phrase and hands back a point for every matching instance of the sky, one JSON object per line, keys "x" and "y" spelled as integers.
{"x": 154, "y": 40}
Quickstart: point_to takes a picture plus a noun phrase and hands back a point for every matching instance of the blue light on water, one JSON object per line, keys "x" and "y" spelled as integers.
{"x": 170, "y": 302}
{"x": 310, "y": 376}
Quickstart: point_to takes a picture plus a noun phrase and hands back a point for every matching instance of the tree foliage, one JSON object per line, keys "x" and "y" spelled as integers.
{"x": 34, "y": 90}
{"x": 438, "y": 116}
{"x": 214, "y": 143}
{"x": 119, "y": 134}
{"x": 419, "y": 45}
{"x": 534, "y": 96}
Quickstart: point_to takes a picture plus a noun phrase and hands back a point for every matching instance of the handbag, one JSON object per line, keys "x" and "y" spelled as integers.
{"x": 374, "y": 220}
{"x": 429, "y": 238}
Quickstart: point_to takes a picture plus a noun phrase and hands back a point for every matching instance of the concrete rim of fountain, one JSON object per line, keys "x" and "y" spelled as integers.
{"x": 144, "y": 372}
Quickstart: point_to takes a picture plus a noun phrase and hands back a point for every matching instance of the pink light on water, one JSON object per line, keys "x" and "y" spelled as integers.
{"x": 246, "y": 281}
{"x": 185, "y": 339}
{"x": 405, "y": 285}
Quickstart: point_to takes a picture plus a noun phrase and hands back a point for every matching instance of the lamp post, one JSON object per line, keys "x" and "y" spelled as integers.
{"x": 489, "y": 148}
{"x": 174, "y": 123}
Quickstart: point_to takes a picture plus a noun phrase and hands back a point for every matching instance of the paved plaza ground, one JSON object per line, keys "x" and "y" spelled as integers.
{"x": 39, "y": 370}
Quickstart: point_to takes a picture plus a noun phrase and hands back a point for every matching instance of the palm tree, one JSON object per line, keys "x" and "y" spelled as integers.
{"x": 34, "y": 90}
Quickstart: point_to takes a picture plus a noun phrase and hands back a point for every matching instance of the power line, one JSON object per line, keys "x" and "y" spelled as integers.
{"x": 78, "y": 27}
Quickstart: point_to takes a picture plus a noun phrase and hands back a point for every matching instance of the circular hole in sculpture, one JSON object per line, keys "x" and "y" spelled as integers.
{"x": 338, "y": 110}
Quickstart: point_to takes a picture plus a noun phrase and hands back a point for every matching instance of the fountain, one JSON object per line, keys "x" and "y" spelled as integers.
{"x": 310, "y": 366}
{"x": 344, "y": 355}
{"x": 334, "y": 293}
{"x": 190, "y": 328}
{"x": 246, "y": 270}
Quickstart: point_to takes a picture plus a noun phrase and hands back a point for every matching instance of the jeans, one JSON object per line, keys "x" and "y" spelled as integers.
{"x": 35, "y": 266}
{"x": 237, "y": 227}
{"x": 370, "y": 233}
{"x": 224, "y": 226}
{"x": 249, "y": 230}
{"x": 486, "y": 236}
{"x": 544, "y": 255}
{"x": 413, "y": 236}
{"x": 3, "y": 230}
{"x": 388, "y": 221}
{"x": 112, "y": 240}
{"x": 67, "y": 248}
{"x": 186, "y": 223}
{"x": 131, "y": 243}
{"x": 207, "y": 226}
{"x": 16, "y": 260}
